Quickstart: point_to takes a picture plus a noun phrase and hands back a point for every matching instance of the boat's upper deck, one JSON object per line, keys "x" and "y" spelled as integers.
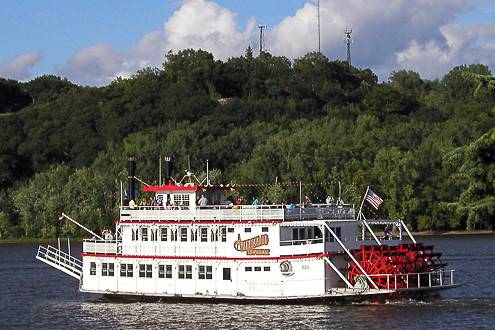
{"x": 236, "y": 213}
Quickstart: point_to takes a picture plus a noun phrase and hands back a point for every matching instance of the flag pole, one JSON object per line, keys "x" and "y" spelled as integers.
{"x": 362, "y": 203}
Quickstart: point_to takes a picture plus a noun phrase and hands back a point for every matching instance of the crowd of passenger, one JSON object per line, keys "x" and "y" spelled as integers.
{"x": 230, "y": 202}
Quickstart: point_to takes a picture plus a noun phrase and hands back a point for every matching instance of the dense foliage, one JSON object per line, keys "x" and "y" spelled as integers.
{"x": 427, "y": 147}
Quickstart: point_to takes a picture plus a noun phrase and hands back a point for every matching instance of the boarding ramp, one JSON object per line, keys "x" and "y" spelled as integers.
{"x": 60, "y": 260}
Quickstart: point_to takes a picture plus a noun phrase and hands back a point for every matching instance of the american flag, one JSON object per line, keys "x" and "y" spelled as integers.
{"x": 373, "y": 199}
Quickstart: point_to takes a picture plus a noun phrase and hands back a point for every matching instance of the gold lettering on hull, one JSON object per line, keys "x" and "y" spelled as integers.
{"x": 250, "y": 245}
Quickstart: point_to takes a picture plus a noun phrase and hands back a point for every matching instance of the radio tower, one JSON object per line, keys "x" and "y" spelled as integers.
{"x": 262, "y": 36}
{"x": 319, "y": 29}
{"x": 348, "y": 33}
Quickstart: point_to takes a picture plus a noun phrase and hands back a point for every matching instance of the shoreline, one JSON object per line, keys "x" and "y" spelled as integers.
{"x": 452, "y": 232}
{"x": 33, "y": 240}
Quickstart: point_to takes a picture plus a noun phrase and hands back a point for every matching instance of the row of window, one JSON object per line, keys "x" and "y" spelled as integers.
{"x": 164, "y": 271}
{"x": 257, "y": 269}
{"x": 183, "y": 234}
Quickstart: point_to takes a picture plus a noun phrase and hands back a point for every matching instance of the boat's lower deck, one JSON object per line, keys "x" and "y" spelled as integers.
{"x": 336, "y": 296}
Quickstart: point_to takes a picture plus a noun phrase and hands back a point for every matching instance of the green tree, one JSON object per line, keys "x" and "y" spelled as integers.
{"x": 475, "y": 164}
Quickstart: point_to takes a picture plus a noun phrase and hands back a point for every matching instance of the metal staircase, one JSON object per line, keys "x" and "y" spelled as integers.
{"x": 60, "y": 260}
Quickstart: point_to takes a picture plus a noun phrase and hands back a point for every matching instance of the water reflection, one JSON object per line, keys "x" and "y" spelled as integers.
{"x": 35, "y": 296}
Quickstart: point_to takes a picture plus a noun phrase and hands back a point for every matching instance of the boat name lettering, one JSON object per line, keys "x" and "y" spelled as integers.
{"x": 250, "y": 245}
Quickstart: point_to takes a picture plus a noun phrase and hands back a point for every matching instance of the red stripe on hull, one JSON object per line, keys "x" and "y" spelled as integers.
{"x": 101, "y": 255}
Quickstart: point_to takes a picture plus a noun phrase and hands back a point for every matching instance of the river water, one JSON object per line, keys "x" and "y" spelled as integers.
{"x": 34, "y": 295}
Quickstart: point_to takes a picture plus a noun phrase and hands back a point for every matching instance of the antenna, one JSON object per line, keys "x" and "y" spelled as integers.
{"x": 319, "y": 29}
{"x": 262, "y": 36}
{"x": 348, "y": 33}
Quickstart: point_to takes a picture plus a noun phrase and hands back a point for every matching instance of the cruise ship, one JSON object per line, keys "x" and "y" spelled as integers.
{"x": 192, "y": 242}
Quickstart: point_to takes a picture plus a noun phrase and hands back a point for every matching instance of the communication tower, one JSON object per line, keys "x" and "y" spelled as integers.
{"x": 262, "y": 36}
{"x": 348, "y": 33}
{"x": 319, "y": 29}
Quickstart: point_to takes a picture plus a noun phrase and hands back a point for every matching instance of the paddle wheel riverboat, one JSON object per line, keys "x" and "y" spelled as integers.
{"x": 179, "y": 249}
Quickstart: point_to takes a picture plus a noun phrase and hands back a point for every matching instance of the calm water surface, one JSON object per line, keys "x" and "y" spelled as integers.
{"x": 33, "y": 295}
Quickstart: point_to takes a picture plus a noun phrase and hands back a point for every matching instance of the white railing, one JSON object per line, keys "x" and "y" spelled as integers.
{"x": 100, "y": 246}
{"x": 236, "y": 213}
{"x": 301, "y": 241}
{"x": 417, "y": 280}
{"x": 60, "y": 260}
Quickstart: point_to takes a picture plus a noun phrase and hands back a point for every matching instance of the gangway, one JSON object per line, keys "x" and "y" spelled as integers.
{"x": 60, "y": 260}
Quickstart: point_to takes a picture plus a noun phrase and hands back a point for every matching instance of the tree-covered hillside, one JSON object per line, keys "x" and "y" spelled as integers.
{"x": 426, "y": 147}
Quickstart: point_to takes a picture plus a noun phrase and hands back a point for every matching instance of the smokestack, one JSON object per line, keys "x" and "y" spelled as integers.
{"x": 131, "y": 182}
{"x": 167, "y": 168}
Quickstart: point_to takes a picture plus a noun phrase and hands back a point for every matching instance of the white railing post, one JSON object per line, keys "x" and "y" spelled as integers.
{"x": 441, "y": 278}
{"x": 429, "y": 279}
{"x": 350, "y": 255}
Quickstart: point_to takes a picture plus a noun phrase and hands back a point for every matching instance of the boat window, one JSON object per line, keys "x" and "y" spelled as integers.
{"x": 295, "y": 234}
{"x": 266, "y": 269}
{"x": 264, "y": 229}
{"x": 134, "y": 234}
{"x": 204, "y": 234}
{"x": 163, "y": 233}
{"x": 202, "y": 272}
{"x": 144, "y": 233}
{"x": 145, "y": 271}
{"x": 223, "y": 231}
{"x": 92, "y": 268}
{"x": 181, "y": 200}
{"x": 107, "y": 269}
{"x": 257, "y": 269}
{"x": 214, "y": 234}
{"x": 183, "y": 234}
{"x": 173, "y": 234}
{"x": 226, "y": 274}
{"x": 247, "y": 230}
{"x": 248, "y": 269}
{"x": 126, "y": 270}
{"x": 161, "y": 271}
{"x": 182, "y": 271}
{"x": 329, "y": 237}
{"x": 194, "y": 234}
{"x": 230, "y": 230}
{"x": 185, "y": 271}
{"x": 168, "y": 271}
{"x": 154, "y": 234}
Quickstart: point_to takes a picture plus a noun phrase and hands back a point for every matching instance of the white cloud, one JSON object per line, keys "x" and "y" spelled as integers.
{"x": 96, "y": 64}
{"x": 463, "y": 45}
{"x": 422, "y": 35}
{"x": 196, "y": 24}
{"x": 19, "y": 68}
{"x": 204, "y": 24}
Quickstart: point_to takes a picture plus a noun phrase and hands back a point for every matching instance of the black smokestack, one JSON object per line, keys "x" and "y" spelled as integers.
{"x": 167, "y": 169}
{"x": 131, "y": 182}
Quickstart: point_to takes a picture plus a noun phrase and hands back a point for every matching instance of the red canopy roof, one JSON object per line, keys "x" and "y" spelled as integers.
{"x": 188, "y": 187}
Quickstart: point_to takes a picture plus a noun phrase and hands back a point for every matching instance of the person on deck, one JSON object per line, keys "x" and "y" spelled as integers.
{"x": 386, "y": 233}
{"x": 202, "y": 201}
{"x": 307, "y": 201}
{"x": 255, "y": 201}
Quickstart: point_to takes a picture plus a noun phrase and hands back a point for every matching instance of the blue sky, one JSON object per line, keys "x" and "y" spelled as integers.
{"x": 58, "y": 33}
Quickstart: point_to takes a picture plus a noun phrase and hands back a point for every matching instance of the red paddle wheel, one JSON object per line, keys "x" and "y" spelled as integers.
{"x": 381, "y": 260}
